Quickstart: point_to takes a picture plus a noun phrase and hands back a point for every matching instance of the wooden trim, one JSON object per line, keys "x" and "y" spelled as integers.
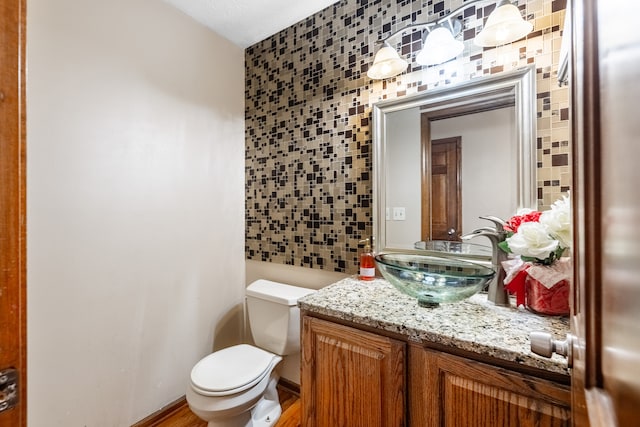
{"x": 22, "y": 306}
{"x": 591, "y": 194}
{"x": 601, "y": 409}
{"x": 13, "y": 265}
{"x": 418, "y": 387}
{"x": 289, "y": 386}
{"x": 587, "y": 212}
{"x": 163, "y": 414}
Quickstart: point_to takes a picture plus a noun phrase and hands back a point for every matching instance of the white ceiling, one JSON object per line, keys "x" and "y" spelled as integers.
{"x": 245, "y": 22}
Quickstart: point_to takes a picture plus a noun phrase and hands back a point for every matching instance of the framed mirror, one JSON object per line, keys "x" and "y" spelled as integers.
{"x": 444, "y": 157}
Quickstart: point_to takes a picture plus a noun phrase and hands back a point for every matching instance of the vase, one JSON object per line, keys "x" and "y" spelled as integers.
{"x": 547, "y": 299}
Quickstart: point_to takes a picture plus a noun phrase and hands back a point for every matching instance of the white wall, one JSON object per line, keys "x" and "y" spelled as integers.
{"x": 404, "y": 177}
{"x": 135, "y": 206}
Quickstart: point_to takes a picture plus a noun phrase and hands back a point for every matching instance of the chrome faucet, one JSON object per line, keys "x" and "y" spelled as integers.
{"x": 497, "y": 293}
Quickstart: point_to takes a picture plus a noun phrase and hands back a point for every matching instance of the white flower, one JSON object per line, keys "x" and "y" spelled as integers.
{"x": 558, "y": 221}
{"x": 532, "y": 240}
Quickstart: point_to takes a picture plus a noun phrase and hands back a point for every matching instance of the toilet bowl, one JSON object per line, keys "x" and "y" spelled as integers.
{"x": 236, "y": 386}
{"x": 227, "y": 384}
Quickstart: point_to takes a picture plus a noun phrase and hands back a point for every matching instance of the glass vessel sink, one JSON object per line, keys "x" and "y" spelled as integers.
{"x": 459, "y": 249}
{"x": 433, "y": 279}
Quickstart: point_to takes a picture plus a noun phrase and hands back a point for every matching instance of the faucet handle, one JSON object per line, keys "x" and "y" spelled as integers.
{"x": 499, "y": 222}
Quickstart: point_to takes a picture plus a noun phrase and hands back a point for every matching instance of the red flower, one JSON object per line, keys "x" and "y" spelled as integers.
{"x": 514, "y": 222}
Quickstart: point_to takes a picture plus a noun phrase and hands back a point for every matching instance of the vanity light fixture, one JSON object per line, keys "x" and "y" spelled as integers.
{"x": 440, "y": 44}
{"x": 504, "y": 25}
{"x": 387, "y": 63}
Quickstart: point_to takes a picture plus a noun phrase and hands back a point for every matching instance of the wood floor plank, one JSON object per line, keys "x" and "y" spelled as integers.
{"x": 291, "y": 416}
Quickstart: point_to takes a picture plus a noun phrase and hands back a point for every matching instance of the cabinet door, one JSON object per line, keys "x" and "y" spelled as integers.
{"x": 450, "y": 391}
{"x": 350, "y": 378}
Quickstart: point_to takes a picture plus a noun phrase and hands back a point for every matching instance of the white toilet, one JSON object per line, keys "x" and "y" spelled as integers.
{"x": 236, "y": 386}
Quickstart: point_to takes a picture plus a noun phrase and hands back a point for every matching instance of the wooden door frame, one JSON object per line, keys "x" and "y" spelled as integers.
{"x": 586, "y": 189}
{"x": 13, "y": 291}
{"x": 591, "y": 403}
{"x": 599, "y": 397}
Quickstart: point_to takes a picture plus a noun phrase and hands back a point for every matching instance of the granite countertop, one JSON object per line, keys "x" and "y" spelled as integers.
{"x": 473, "y": 325}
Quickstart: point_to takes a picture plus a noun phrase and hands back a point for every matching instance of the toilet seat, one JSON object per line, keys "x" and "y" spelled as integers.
{"x": 232, "y": 370}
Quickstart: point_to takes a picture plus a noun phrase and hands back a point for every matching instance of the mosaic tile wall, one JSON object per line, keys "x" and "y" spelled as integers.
{"x": 308, "y": 119}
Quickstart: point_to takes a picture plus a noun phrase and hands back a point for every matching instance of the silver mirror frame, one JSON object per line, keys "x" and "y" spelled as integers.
{"x": 517, "y": 86}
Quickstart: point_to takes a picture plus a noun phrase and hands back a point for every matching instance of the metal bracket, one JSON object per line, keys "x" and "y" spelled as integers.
{"x": 8, "y": 389}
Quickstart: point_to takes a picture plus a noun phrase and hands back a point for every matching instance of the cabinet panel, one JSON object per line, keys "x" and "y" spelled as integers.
{"x": 456, "y": 392}
{"x": 350, "y": 377}
{"x": 499, "y": 407}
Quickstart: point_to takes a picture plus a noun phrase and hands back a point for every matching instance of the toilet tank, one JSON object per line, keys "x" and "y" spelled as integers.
{"x": 274, "y": 317}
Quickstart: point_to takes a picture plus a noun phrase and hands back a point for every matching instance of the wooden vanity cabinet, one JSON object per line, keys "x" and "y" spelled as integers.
{"x": 356, "y": 378}
{"x": 350, "y": 377}
{"x": 451, "y": 391}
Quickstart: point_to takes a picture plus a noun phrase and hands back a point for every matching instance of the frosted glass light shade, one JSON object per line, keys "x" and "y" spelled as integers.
{"x": 439, "y": 47}
{"x": 387, "y": 63}
{"x": 504, "y": 25}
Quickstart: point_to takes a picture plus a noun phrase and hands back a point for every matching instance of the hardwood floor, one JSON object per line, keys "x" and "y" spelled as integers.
{"x": 290, "y": 403}
{"x": 289, "y": 400}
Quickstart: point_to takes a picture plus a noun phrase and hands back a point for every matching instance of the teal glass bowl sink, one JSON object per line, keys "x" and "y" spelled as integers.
{"x": 433, "y": 279}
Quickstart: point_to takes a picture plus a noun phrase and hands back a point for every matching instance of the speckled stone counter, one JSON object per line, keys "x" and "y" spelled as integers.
{"x": 473, "y": 325}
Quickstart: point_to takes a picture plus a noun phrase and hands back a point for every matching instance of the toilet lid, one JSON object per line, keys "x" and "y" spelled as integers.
{"x": 232, "y": 370}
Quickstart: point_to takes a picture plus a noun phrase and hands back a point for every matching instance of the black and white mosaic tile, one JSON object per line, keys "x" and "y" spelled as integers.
{"x": 308, "y": 119}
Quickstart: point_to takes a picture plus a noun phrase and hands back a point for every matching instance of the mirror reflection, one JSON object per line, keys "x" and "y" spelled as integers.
{"x": 445, "y": 157}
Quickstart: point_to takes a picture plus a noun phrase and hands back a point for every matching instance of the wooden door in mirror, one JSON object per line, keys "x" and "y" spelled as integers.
{"x": 442, "y": 195}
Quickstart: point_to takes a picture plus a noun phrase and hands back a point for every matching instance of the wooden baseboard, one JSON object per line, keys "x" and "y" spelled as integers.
{"x": 289, "y": 386}
{"x": 163, "y": 414}
{"x": 173, "y": 409}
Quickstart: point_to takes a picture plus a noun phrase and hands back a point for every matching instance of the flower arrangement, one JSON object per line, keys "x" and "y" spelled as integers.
{"x": 537, "y": 273}
{"x": 540, "y": 237}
